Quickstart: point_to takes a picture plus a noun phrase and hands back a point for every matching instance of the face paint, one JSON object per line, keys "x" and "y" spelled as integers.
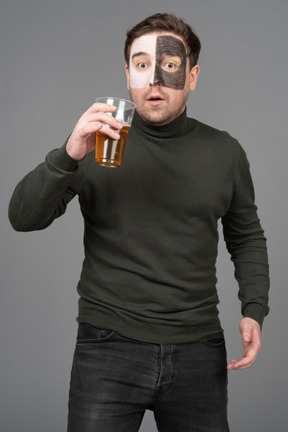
{"x": 142, "y": 52}
{"x": 157, "y": 60}
{"x": 168, "y": 48}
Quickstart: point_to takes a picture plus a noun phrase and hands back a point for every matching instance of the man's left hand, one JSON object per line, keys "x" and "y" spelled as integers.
{"x": 251, "y": 340}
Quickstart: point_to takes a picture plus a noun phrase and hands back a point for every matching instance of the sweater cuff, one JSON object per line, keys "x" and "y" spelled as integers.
{"x": 256, "y": 312}
{"x": 60, "y": 159}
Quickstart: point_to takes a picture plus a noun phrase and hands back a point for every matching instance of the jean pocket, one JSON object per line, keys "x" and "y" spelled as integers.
{"x": 88, "y": 334}
{"x": 214, "y": 343}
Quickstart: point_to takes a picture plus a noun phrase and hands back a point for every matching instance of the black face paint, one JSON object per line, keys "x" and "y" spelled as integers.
{"x": 170, "y": 46}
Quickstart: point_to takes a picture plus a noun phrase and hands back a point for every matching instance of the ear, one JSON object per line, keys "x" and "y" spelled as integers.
{"x": 193, "y": 77}
{"x": 128, "y": 76}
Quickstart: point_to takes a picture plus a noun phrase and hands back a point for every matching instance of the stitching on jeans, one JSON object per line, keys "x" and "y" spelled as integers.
{"x": 159, "y": 391}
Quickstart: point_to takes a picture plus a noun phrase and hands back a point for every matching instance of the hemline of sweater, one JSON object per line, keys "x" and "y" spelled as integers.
{"x": 153, "y": 333}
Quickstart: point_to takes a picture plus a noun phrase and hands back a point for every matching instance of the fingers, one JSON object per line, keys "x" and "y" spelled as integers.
{"x": 98, "y": 107}
{"x": 96, "y": 118}
{"x": 99, "y": 117}
{"x": 106, "y": 130}
{"x": 87, "y": 128}
{"x": 245, "y": 362}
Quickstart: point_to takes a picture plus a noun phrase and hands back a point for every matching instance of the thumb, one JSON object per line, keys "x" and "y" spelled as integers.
{"x": 246, "y": 333}
{"x": 246, "y": 337}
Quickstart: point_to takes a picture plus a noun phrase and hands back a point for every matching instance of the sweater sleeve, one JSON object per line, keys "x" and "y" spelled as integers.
{"x": 43, "y": 194}
{"x": 246, "y": 244}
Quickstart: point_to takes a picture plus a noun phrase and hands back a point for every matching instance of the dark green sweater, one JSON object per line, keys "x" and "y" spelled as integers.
{"x": 151, "y": 229}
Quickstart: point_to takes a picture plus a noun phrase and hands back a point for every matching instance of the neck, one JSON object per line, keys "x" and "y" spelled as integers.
{"x": 176, "y": 127}
{"x": 165, "y": 122}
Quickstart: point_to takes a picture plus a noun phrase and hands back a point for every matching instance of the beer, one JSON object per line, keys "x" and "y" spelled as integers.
{"x": 109, "y": 152}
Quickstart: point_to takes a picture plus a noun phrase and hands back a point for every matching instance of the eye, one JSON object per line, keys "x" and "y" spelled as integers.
{"x": 142, "y": 65}
{"x": 170, "y": 66}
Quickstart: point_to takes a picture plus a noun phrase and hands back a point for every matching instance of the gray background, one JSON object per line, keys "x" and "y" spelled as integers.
{"x": 56, "y": 57}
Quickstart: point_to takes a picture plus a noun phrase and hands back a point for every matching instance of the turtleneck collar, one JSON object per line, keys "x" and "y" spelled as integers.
{"x": 177, "y": 127}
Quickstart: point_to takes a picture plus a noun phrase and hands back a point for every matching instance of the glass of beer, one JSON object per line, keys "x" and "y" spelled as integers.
{"x": 108, "y": 151}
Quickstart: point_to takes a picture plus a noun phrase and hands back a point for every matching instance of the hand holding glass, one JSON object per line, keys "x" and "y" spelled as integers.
{"x": 108, "y": 151}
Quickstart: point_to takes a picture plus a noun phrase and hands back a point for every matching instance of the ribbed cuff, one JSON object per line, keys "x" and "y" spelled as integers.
{"x": 256, "y": 312}
{"x": 61, "y": 160}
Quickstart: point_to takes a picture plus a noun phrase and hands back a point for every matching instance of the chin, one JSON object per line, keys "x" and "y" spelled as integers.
{"x": 158, "y": 118}
{"x": 155, "y": 120}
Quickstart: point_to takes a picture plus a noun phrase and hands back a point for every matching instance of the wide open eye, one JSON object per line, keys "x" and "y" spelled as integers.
{"x": 142, "y": 66}
{"x": 169, "y": 66}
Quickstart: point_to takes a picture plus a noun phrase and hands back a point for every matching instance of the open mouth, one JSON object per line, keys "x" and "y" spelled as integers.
{"x": 155, "y": 98}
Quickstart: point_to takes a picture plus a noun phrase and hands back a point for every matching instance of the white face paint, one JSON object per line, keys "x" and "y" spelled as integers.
{"x": 142, "y": 61}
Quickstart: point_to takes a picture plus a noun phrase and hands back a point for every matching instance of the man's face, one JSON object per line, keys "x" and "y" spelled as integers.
{"x": 159, "y": 78}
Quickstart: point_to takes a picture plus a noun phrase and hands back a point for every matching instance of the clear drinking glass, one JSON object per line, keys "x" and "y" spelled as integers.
{"x": 108, "y": 151}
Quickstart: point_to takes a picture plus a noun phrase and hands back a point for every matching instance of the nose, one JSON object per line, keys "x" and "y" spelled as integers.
{"x": 150, "y": 78}
{"x": 154, "y": 78}
{"x": 155, "y": 83}
{"x": 157, "y": 79}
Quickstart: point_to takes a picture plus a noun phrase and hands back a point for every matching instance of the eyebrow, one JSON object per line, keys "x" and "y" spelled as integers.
{"x": 139, "y": 54}
{"x": 164, "y": 53}
{"x": 170, "y": 53}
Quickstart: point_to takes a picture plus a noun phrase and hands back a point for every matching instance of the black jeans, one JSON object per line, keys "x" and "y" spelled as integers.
{"x": 115, "y": 379}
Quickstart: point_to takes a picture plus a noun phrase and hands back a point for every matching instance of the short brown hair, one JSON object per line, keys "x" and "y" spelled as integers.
{"x": 166, "y": 23}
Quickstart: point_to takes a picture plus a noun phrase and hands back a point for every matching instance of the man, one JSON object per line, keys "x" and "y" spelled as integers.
{"x": 149, "y": 335}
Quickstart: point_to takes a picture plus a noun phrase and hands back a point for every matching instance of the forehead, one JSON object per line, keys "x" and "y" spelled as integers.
{"x": 144, "y": 44}
{"x": 147, "y": 43}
